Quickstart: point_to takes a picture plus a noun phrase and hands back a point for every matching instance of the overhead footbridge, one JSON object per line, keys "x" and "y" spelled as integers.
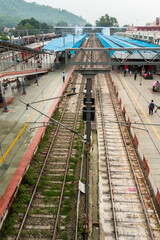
{"x": 17, "y": 64}
{"x": 23, "y": 60}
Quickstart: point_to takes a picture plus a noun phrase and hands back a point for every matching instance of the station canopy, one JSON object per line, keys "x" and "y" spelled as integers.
{"x": 123, "y": 42}
{"x": 60, "y": 44}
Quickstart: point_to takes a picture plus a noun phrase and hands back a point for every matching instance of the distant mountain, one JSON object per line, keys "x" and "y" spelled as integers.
{"x": 13, "y": 11}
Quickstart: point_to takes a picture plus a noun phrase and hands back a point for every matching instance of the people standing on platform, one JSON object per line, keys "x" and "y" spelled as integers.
{"x": 40, "y": 62}
{"x": 74, "y": 89}
{"x": 135, "y": 75}
{"x": 143, "y": 72}
{"x": 125, "y": 72}
{"x": 151, "y": 107}
{"x": 63, "y": 76}
{"x": 155, "y": 84}
{"x": 130, "y": 73}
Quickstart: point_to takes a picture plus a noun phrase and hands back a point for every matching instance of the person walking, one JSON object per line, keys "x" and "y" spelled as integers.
{"x": 63, "y": 76}
{"x": 125, "y": 72}
{"x": 74, "y": 89}
{"x": 151, "y": 107}
{"x": 135, "y": 75}
{"x": 130, "y": 73}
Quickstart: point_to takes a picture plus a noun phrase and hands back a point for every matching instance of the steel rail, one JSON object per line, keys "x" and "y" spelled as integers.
{"x": 132, "y": 168}
{"x": 67, "y": 165}
{"x": 79, "y": 192}
{"x": 108, "y": 167}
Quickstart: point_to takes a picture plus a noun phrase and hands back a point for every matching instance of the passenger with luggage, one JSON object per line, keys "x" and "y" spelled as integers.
{"x": 135, "y": 75}
{"x": 151, "y": 107}
{"x": 148, "y": 75}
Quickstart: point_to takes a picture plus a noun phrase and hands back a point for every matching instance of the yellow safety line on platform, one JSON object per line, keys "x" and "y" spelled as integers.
{"x": 140, "y": 107}
{"x": 27, "y": 122}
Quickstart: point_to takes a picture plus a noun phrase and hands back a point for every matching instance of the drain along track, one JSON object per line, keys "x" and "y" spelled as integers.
{"x": 126, "y": 209}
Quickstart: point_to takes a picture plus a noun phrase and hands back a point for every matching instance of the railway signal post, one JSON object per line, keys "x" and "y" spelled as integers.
{"x": 89, "y": 74}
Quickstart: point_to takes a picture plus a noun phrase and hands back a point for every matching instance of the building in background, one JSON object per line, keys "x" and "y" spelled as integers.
{"x": 148, "y": 33}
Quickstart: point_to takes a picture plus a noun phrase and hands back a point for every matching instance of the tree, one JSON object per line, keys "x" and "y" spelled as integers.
{"x": 62, "y": 23}
{"x": 107, "y": 21}
{"x": 32, "y": 26}
{"x": 44, "y": 26}
{"x": 34, "y": 23}
{"x": 4, "y": 37}
{"x": 88, "y": 25}
{"x": 28, "y": 26}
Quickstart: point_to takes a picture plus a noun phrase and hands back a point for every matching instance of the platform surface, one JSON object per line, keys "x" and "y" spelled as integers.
{"x": 15, "y": 133}
{"x": 135, "y": 96}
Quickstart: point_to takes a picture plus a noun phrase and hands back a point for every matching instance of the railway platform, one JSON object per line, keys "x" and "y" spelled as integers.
{"x": 134, "y": 97}
{"x": 20, "y": 133}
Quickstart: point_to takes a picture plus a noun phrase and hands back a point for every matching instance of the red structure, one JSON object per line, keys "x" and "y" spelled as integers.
{"x": 148, "y": 28}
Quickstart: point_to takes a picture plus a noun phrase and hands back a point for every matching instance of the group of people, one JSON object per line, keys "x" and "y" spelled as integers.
{"x": 156, "y": 86}
{"x": 126, "y": 71}
{"x": 146, "y": 75}
{"x": 143, "y": 73}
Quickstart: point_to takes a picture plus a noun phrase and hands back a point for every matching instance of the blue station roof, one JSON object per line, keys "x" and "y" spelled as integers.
{"x": 69, "y": 41}
{"x": 122, "y": 42}
{"x": 138, "y": 43}
{"x": 107, "y": 43}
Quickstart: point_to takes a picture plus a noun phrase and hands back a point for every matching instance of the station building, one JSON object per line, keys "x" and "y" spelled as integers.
{"x": 149, "y": 33}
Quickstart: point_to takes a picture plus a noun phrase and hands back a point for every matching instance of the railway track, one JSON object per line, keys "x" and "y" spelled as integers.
{"x": 50, "y": 206}
{"x": 126, "y": 209}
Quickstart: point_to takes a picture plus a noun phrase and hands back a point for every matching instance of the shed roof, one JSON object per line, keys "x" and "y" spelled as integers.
{"x": 60, "y": 44}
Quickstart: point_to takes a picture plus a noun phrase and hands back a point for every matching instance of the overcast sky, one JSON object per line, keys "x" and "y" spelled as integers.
{"x": 138, "y": 12}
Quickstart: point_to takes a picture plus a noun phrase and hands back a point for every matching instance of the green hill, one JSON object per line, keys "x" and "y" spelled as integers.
{"x": 13, "y": 11}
